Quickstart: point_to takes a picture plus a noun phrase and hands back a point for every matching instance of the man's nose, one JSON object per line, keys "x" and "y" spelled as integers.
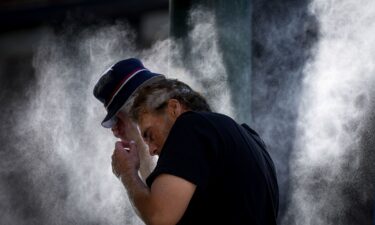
{"x": 152, "y": 149}
{"x": 119, "y": 130}
{"x": 115, "y": 131}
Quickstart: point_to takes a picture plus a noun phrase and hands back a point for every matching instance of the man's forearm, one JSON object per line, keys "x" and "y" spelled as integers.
{"x": 139, "y": 195}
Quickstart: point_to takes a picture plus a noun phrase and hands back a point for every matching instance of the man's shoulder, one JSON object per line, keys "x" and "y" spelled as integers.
{"x": 199, "y": 115}
{"x": 204, "y": 121}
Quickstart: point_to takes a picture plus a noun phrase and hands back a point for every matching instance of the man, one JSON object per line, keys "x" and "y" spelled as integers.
{"x": 210, "y": 170}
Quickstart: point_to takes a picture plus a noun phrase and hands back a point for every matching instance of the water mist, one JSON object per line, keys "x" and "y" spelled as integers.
{"x": 333, "y": 115}
{"x": 63, "y": 150}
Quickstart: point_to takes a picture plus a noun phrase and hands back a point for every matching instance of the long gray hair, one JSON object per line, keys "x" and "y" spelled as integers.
{"x": 153, "y": 97}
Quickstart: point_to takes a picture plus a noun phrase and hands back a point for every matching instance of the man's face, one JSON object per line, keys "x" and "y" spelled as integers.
{"x": 155, "y": 129}
{"x": 125, "y": 128}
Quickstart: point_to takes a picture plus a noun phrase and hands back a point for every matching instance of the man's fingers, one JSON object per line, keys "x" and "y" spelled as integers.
{"x": 114, "y": 171}
{"x": 122, "y": 155}
{"x": 114, "y": 165}
{"x": 115, "y": 161}
{"x": 125, "y": 145}
{"x": 119, "y": 145}
{"x": 132, "y": 144}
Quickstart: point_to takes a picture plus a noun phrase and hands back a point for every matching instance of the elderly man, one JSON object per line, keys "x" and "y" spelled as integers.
{"x": 210, "y": 169}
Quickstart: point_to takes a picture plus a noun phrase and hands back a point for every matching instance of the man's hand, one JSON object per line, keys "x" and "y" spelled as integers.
{"x": 125, "y": 128}
{"x": 125, "y": 159}
{"x": 169, "y": 196}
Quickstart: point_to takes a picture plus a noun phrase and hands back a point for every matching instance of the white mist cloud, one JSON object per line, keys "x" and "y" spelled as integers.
{"x": 334, "y": 104}
{"x": 205, "y": 70}
{"x": 65, "y": 152}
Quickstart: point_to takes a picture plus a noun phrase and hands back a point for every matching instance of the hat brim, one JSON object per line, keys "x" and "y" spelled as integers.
{"x": 110, "y": 120}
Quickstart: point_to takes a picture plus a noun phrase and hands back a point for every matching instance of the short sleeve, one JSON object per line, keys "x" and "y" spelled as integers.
{"x": 188, "y": 151}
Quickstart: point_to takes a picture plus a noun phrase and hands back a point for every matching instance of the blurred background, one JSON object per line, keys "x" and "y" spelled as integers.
{"x": 301, "y": 73}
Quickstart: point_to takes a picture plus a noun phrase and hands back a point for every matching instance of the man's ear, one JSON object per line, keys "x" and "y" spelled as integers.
{"x": 174, "y": 108}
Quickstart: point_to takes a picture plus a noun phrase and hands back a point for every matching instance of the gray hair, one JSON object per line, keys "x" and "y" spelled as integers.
{"x": 126, "y": 108}
{"x": 153, "y": 97}
{"x": 128, "y": 104}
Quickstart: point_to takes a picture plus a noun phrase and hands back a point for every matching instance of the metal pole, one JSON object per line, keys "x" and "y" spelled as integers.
{"x": 233, "y": 23}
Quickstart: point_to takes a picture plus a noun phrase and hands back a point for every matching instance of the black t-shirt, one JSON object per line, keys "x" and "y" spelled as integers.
{"x": 234, "y": 175}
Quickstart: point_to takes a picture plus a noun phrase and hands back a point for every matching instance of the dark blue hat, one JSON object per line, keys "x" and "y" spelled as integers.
{"x": 118, "y": 83}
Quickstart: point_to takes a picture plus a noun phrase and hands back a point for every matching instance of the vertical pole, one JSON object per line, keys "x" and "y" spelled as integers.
{"x": 233, "y": 23}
